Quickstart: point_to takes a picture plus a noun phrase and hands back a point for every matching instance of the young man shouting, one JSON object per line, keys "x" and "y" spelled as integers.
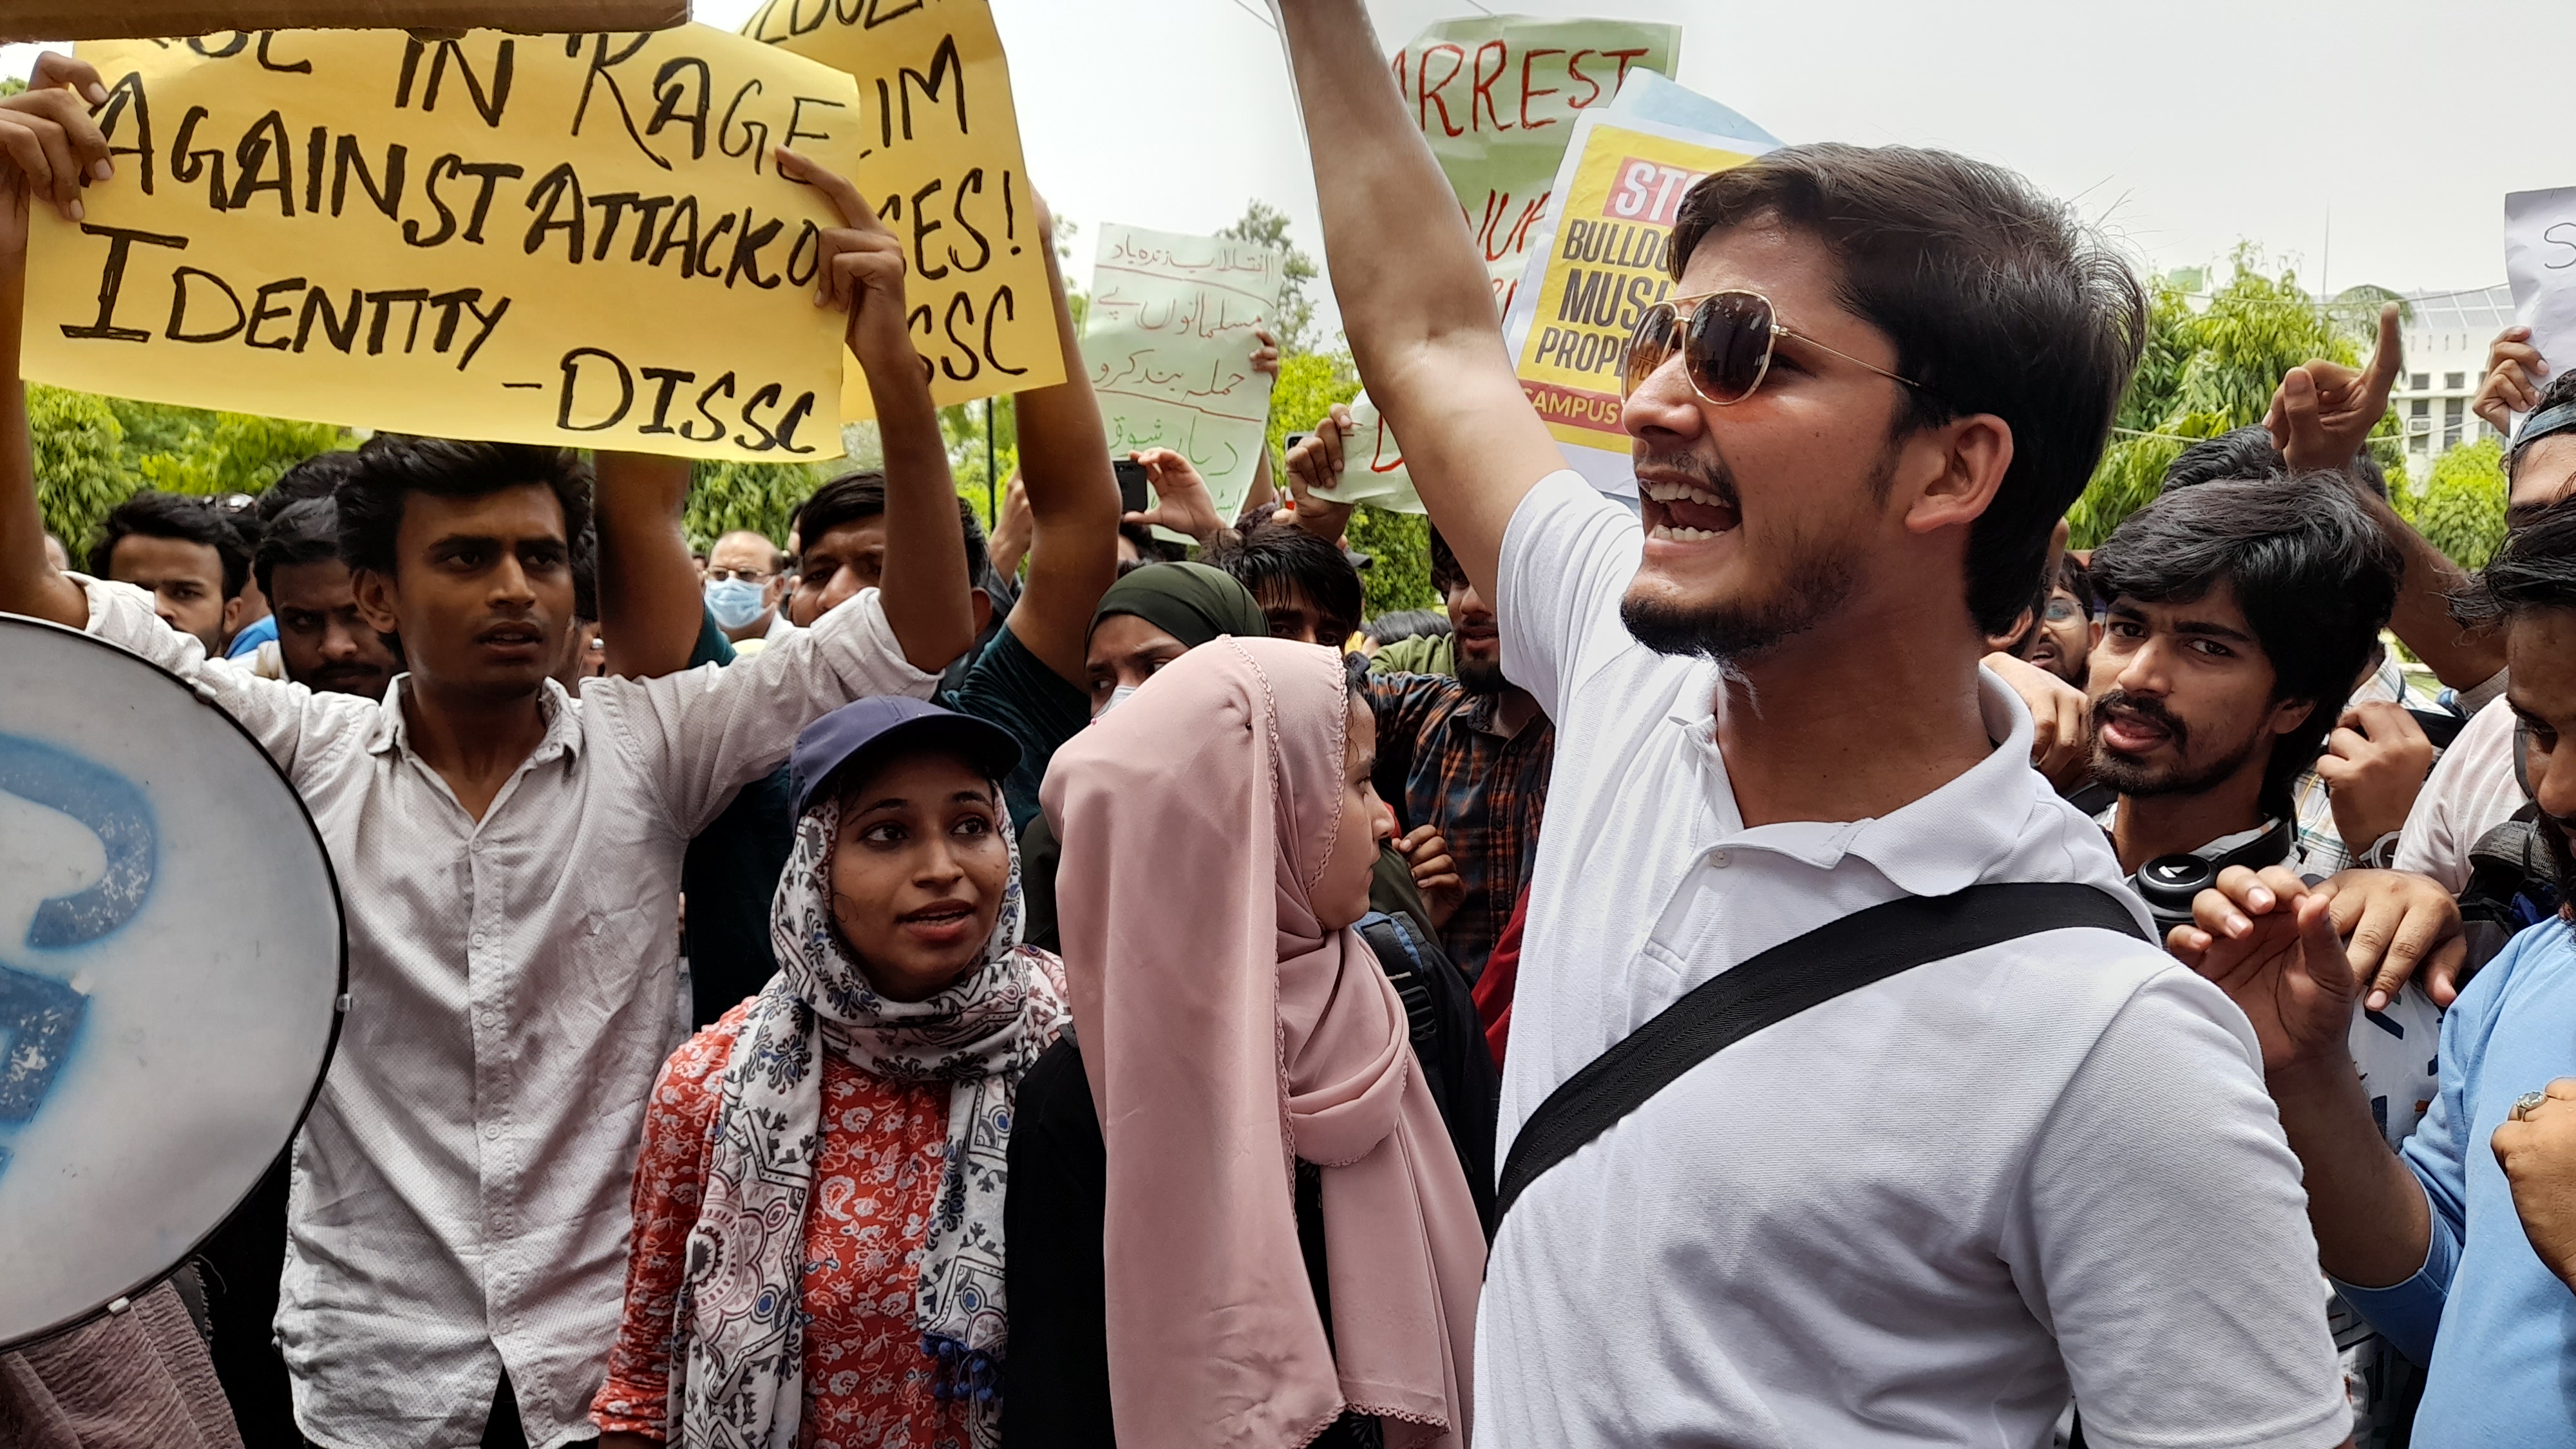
{"x": 1928, "y": 1210}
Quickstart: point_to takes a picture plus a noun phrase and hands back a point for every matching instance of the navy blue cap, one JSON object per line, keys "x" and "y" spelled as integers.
{"x": 867, "y": 730}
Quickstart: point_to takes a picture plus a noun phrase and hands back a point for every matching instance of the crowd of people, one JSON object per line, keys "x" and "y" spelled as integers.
{"x": 1796, "y": 957}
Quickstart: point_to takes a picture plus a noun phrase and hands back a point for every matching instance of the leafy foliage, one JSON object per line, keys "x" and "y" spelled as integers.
{"x": 727, "y": 496}
{"x": 2461, "y": 508}
{"x": 1261, "y": 222}
{"x": 2208, "y": 369}
{"x": 93, "y": 453}
{"x": 1399, "y": 544}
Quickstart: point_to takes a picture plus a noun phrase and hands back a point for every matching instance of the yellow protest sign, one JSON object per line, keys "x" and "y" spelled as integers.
{"x": 941, "y": 163}
{"x": 578, "y": 240}
{"x": 1620, "y": 190}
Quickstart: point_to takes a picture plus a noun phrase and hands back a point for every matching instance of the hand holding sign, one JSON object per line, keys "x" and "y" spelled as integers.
{"x": 2514, "y": 370}
{"x": 2323, "y": 412}
{"x": 54, "y": 148}
{"x": 862, "y": 271}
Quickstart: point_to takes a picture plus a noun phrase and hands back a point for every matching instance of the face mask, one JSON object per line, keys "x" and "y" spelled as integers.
{"x": 1117, "y": 697}
{"x": 735, "y": 603}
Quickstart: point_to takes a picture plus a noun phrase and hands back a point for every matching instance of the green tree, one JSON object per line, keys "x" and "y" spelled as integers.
{"x": 80, "y": 462}
{"x": 727, "y": 496}
{"x": 2205, "y": 370}
{"x": 1295, "y": 323}
{"x": 2461, "y": 507}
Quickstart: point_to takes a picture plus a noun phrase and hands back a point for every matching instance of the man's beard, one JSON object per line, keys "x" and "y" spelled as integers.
{"x": 2144, "y": 781}
{"x": 1817, "y": 580}
{"x": 1481, "y": 676}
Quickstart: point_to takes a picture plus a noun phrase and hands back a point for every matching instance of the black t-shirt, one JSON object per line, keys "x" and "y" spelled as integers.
{"x": 1011, "y": 687}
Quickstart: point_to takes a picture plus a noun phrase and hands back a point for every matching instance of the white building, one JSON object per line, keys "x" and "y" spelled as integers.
{"x": 2446, "y": 337}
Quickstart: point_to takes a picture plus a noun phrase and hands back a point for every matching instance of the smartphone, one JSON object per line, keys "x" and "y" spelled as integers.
{"x": 1290, "y": 445}
{"x": 1132, "y": 497}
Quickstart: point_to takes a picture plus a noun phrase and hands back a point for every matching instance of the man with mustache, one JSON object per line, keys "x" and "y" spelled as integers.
{"x": 1929, "y": 1209}
{"x": 323, "y": 642}
{"x": 2237, "y": 614}
{"x": 2461, "y": 1247}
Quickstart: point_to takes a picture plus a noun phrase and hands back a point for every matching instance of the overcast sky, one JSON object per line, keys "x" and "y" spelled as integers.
{"x": 2182, "y": 127}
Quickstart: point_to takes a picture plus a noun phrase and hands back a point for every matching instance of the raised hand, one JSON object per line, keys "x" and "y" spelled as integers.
{"x": 2061, "y": 736}
{"x": 2323, "y": 411}
{"x": 1181, "y": 499}
{"x": 2512, "y": 382}
{"x": 51, "y": 145}
{"x": 2269, "y": 942}
{"x": 862, "y": 268}
{"x": 2374, "y": 766}
{"x": 1265, "y": 352}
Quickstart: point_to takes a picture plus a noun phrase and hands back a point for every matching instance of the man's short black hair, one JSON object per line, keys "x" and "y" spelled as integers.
{"x": 1407, "y": 624}
{"x": 190, "y": 519}
{"x": 2236, "y": 455}
{"x": 2534, "y": 568}
{"x": 585, "y": 575}
{"x": 1997, "y": 302}
{"x": 392, "y": 466}
{"x": 316, "y": 477}
{"x": 2076, "y": 579}
{"x": 1279, "y": 556}
{"x": 2315, "y": 577}
{"x": 853, "y": 497}
{"x": 301, "y": 533}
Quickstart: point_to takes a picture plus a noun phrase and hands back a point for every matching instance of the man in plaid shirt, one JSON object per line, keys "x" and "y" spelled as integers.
{"x": 1465, "y": 759}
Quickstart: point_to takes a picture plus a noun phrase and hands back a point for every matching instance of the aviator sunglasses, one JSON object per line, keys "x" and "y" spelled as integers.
{"x": 1725, "y": 345}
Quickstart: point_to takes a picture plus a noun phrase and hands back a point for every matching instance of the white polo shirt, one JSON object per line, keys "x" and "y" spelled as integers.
{"x": 1918, "y": 1214}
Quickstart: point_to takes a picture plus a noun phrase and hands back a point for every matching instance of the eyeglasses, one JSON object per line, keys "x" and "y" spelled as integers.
{"x": 2062, "y": 610}
{"x": 749, "y": 576}
{"x": 1725, "y": 346}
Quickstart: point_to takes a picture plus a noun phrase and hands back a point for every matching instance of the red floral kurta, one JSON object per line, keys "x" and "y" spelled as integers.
{"x": 867, "y": 1382}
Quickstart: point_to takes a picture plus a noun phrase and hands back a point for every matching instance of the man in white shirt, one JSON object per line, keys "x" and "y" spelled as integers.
{"x": 1928, "y": 1210}
{"x": 509, "y": 860}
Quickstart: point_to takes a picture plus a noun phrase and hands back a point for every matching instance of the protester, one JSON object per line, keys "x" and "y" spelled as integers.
{"x": 902, "y": 974}
{"x": 2063, "y": 642}
{"x": 2475, "y": 788}
{"x": 508, "y": 862}
{"x": 1235, "y": 1211}
{"x": 1306, "y": 586}
{"x": 2236, "y": 614}
{"x": 746, "y": 582}
{"x": 188, "y": 557}
{"x": 2456, "y": 1247}
{"x": 2050, "y": 1166}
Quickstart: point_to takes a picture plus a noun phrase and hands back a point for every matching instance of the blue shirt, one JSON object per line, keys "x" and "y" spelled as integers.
{"x": 2495, "y": 1327}
{"x": 249, "y": 639}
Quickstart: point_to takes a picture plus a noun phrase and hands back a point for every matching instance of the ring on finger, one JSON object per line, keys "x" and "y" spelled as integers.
{"x": 2526, "y": 1104}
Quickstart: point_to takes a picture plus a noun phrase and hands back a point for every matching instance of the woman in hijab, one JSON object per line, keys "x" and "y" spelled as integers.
{"x": 818, "y": 1248}
{"x": 1149, "y": 618}
{"x": 1272, "y": 1244}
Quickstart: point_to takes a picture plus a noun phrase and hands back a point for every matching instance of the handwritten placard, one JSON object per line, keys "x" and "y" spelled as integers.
{"x": 578, "y": 240}
{"x": 2540, "y": 262}
{"x": 1372, "y": 464}
{"x": 1169, "y": 342}
{"x": 940, "y": 160}
{"x": 1497, "y": 97}
{"x": 1603, "y": 263}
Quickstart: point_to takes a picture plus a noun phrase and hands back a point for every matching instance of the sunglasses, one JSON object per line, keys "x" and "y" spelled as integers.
{"x": 1725, "y": 345}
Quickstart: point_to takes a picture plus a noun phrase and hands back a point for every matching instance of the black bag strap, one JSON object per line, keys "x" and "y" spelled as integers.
{"x": 1839, "y": 956}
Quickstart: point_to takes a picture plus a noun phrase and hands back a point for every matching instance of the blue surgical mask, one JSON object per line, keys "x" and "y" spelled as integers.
{"x": 1117, "y": 697}
{"x": 735, "y": 603}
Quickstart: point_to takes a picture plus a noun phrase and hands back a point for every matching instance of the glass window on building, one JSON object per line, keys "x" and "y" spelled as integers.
{"x": 2454, "y": 381}
{"x": 2419, "y": 425}
{"x": 2423, "y": 381}
{"x": 2453, "y": 410}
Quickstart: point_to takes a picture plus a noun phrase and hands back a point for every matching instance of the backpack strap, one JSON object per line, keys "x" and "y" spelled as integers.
{"x": 1840, "y": 956}
{"x": 1399, "y": 955}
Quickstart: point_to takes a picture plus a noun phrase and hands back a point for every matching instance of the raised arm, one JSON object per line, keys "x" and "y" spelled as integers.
{"x": 924, "y": 585}
{"x": 49, "y": 150}
{"x": 1414, "y": 296}
{"x": 650, "y": 606}
{"x": 1073, "y": 500}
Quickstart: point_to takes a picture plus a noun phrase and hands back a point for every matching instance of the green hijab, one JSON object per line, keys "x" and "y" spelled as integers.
{"x": 1191, "y": 602}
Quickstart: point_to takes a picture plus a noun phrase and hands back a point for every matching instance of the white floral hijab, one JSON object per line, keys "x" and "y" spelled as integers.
{"x": 737, "y": 1379}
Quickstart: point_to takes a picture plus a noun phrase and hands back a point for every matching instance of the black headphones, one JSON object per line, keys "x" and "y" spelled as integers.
{"x": 2169, "y": 882}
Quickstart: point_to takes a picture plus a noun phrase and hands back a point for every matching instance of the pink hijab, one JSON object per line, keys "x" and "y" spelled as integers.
{"x": 1227, "y": 1034}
